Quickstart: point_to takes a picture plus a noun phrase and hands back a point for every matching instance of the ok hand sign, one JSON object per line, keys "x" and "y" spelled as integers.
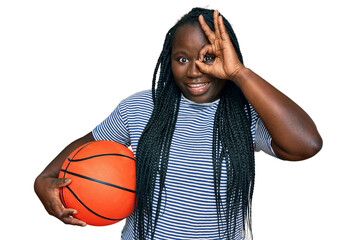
{"x": 226, "y": 63}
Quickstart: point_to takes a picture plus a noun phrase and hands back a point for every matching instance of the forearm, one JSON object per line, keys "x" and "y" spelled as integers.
{"x": 294, "y": 134}
{"x": 52, "y": 170}
{"x": 47, "y": 185}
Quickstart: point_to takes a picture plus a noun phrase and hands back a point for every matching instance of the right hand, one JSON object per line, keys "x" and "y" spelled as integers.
{"x": 47, "y": 189}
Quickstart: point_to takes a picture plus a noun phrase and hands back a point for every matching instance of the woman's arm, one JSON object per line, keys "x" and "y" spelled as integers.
{"x": 47, "y": 184}
{"x": 294, "y": 134}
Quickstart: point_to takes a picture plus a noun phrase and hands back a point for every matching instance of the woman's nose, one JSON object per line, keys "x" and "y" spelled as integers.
{"x": 193, "y": 71}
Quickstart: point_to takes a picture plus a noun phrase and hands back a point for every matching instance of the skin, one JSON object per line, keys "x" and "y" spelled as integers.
{"x": 194, "y": 84}
{"x": 47, "y": 185}
{"x": 294, "y": 134}
{"x": 207, "y": 57}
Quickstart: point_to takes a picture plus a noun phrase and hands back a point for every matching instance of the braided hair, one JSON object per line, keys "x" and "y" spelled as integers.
{"x": 232, "y": 144}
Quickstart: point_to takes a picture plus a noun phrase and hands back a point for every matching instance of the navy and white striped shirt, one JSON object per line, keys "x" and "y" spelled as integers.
{"x": 189, "y": 208}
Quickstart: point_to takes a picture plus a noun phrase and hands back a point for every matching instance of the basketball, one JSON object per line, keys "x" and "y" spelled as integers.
{"x": 103, "y": 182}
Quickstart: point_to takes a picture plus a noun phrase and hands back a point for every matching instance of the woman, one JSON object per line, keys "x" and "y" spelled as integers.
{"x": 194, "y": 137}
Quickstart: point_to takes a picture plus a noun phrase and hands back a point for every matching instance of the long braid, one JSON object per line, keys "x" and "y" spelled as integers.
{"x": 232, "y": 144}
{"x": 154, "y": 145}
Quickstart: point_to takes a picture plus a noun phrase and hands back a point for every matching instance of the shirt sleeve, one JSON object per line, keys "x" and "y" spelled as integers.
{"x": 114, "y": 127}
{"x": 261, "y": 136}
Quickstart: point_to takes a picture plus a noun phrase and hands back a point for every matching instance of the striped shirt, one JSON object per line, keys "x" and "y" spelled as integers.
{"x": 189, "y": 208}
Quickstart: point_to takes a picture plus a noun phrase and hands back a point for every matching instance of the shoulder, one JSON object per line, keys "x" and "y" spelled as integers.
{"x": 139, "y": 98}
{"x": 140, "y": 102}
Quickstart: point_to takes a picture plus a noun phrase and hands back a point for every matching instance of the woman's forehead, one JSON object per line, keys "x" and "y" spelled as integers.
{"x": 189, "y": 35}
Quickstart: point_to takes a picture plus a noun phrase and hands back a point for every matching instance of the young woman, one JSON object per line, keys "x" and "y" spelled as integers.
{"x": 194, "y": 136}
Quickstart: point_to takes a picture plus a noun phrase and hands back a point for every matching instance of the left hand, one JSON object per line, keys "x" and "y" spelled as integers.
{"x": 226, "y": 63}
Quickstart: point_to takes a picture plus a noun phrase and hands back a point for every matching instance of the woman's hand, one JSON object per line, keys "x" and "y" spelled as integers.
{"x": 47, "y": 189}
{"x": 47, "y": 185}
{"x": 226, "y": 63}
{"x": 294, "y": 134}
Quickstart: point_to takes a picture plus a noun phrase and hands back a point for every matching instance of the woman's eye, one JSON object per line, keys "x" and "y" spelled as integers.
{"x": 183, "y": 60}
{"x": 208, "y": 58}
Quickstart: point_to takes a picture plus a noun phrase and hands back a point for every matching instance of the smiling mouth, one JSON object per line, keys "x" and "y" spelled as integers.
{"x": 197, "y": 85}
{"x": 198, "y": 88}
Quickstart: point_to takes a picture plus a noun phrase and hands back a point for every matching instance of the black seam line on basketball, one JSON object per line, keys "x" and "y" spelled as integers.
{"x": 69, "y": 162}
{"x": 111, "y": 219}
{"x": 98, "y": 181}
{"x": 82, "y": 147}
{"x": 100, "y": 155}
{"x": 63, "y": 200}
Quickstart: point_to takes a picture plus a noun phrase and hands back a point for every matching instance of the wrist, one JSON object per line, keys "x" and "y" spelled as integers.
{"x": 240, "y": 76}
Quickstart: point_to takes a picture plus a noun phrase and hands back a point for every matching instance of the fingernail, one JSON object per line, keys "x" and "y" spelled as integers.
{"x": 75, "y": 212}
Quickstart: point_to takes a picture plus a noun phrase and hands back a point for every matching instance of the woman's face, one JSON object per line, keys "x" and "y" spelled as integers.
{"x": 189, "y": 39}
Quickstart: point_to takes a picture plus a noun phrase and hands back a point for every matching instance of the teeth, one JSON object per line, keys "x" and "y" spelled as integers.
{"x": 197, "y": 85}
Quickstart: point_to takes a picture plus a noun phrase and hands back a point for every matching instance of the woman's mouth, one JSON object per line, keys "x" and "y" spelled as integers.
{"x": 198, "y": 88}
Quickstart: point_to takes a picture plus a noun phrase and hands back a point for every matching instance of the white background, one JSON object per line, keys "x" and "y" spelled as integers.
{"x": 65, "y": 65}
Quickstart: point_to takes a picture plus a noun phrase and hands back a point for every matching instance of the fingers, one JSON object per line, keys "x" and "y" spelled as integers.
{"x": 222, "y": 29}
{"x": 207, "y": 49}
{"x": 203, "y": 67}
{"x": 207, "y": 30}
{"x": 66, "y": 216}
{"x": 48, "y": 192}
{"x": 211, "y": 35}
{"x": 219, "y": 32}
{"x": 47, "y": 189}
{"x": 215, "y": 22}
{"x": 225, "y": 57}
{"x": 57, "y": 210}
{"x": 61, "y": 182}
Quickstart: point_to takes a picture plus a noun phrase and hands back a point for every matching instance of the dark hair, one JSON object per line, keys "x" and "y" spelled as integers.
{"x": 232, "y": 144}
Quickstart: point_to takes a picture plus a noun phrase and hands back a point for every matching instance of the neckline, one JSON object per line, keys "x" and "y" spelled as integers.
{"x": 199, "y": 104}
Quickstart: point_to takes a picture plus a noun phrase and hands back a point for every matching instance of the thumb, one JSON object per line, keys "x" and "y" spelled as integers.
{"x": 62, "y": 182}
{"x": 203, "y": 67}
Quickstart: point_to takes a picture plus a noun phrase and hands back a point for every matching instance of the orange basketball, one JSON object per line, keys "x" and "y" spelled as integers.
{"x": 103, "y": 182}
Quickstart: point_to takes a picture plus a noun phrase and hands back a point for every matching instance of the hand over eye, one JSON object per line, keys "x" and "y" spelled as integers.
{"x": 219, "y": 57}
